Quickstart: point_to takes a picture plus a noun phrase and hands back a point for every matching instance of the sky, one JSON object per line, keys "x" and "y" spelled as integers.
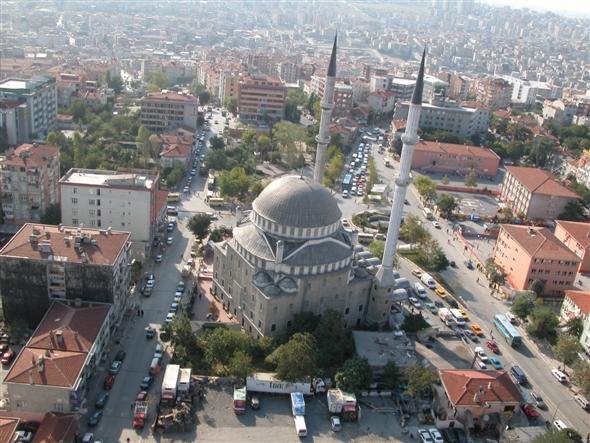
{"x": 573, "y": 8}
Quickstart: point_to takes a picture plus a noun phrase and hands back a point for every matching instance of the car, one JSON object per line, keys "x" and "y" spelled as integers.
{"x": 452, "y": 264}
{"x": 335, "y": 424}
{"x": 439, "y": 304}
{"x": 88, "y": 438}
{"x": 530, "y": 411}
{"x": 469, "y": 264}
{"x": 560, "y": 425}
{"x": 108, "y": 382}
{"x": 255, "y": 402}
{"x": 406, "y": 202}
{"x": 452, "y": 302}
{"x": 496, "y": 363}
{"x": 169, "y": 317}
{"x": 101, "y": 400}
{"x": 560, "y": 376}
{"x": 436, "y": 435}
{"x": 420, "y": 290}
{"x": 193, "y": 172}
{"x": 170, "y": 227}
{"x": 493, "y": 346}
{"x": 178, "y": 294}
{"x": 150, "y": 284}
{"x": 155, "y": 242}
{"x": 186, "y": 189}
{"x": 476, "y": 329}
{"x": 440, "y": 292}
{"x": 436, "y": 224}
{"x": 538, "y": 400}
{"x": 463, "y": 313}
{"x": 141, "y": 396}
{"x": 159, "y": 352}
{"x": 180, "y": 286}
{"x": 94, "y": 418}
{"x": 150, "y": 332}
{"x": 169, "y": 241}
{"x": 115, "y": 367}
{"x": 22, "y": 436}
{"x": 146, "y": 382}
{"x": 425, "y": 436}
{"x": 158, "y": 258}
{"x": 470, "y": 335}
{"x": 481, "y": 365}
{"x": 481, "y": 354}
{"x": 120, "y": 356}
{"x": 430, "y": 306}
{"x": 417, "y": 273}
{"x": 415, "y": 302}
{"x": 177, "y": 298}
{"x": 173, "y": 307}
{"x": 7, "y": 357}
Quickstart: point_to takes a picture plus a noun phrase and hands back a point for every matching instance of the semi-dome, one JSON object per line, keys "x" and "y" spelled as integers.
{"x": 297, "y": 202}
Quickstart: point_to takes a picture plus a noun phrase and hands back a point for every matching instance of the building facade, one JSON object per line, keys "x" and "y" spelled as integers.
{"x": 381, "y": 101}
{"x": 535, "y": 193}
{"x": 527, "y": 254}
{"x": 14, "y": 121}
{"x": 125, "y": 200}
{"x": 576, "y": 236}
{"x": 52, "y": 372}
{"x": 28, "y": 180}
{"x": 449, "y": 158}
{"x": 229, "y": 83}
{"x": 167, "y": 111}
{"x": 45, "y": 263}
{"x": 493, "y": 92}
{"x": 260, "y": 96}
{"x": 292, "y": 256}
{"x": 343, "y": 94}
{"x": 39, "y": 95}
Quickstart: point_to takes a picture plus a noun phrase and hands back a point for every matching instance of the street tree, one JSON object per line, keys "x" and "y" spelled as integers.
{"x": 199, "y": 225}
{"x": 581, "y": 376}
{"x": 264, "y": 145}
{"x": 174, "y": 176}
{"x": 52, "y": 215}
{"x": 391, "y": 375}
{"x": 420, "y": 379}
{"x": 471, "y": 179}
{"x": 574, "y": 210}
{"x": 217, "y": 160}
{"x": 537, "y": 286}
{"x": 445, "y": 180}
{"x": 240, "y": 365}
{"x": 296, "y": 359}
{"x": 377, "y": 248}
{"x": 158, "y": 81}
{"x": 523, "y": 304}
{"x": 412, "y": 231}
{"x": 555, "y": 436}
{"x": 566, "y": 349}
{"x": 425, "y": 186}
{"x": 235, "y": 183}
{"x": 575, "y": 326}
{"x": 231, "y": 104}
{"x": 115, "y": 83}
{"x": 356, "y": 374}
{"x": 144, "y": 146}
{"x": 334, "y": 341}
{"x": 216, "y": 143}
{"x": 204, "y": 97}
{"x": 543, "y": 323}
{"x": 446, "y": 203}
{"x": 507, "y": 213}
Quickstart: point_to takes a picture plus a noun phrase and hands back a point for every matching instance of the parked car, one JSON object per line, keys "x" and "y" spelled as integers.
{"x": 538, "y": 400}
{"x": 180, "y": 286}
{"x": 431, "y": 307}
{"x": 150, "y": 332}
{"x": 436, "y": 435}
{"x": 560, "y": 376}
{"x": 101, "y": 400}
{"x": 7, "y": 357}
{"x": 481, "y": 354}
{"x": 425, "y": 436}
{"x": 108, "y": 382}
{"x": 141, "y": 396}
{"x": 415, "y": 302}
{"x": 476, "y": 329}
{"x": 115, "y": 367}
{"x": 440, "y": 292}
{"x": 530, "y": 411}
{"x": 169, "y": 240}
{"x": 22, "y": 436}
{"x": 94, "y": 418}
{"x": 470, "y": 335}
{"x": 169, "y": 317}
{"x": 146, "y": 382}
{"x": 158, "y": 258}
{"x": 335, "y": 423}
{"x": 469, "y": 264}
{"x": 496, "y": 363}
{"x": 436, "y": 224}
{"x": 493, "y": 346}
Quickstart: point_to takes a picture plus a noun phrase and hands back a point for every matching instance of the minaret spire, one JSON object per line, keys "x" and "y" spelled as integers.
{"x": 327, "y": 104}
{"x": 385, "y": 277}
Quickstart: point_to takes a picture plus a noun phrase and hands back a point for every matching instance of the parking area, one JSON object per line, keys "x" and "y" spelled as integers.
{"x": 482, "y": 205}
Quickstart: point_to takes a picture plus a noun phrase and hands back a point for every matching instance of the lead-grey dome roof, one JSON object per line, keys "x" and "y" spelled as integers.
{"x": 297, "y": 202}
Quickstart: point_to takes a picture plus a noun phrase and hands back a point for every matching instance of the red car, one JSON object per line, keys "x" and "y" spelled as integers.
{"x": 530, "y": 411}
{"x": 109, "y": 381}
{"x": 7, "y": 357}
{"x": 493, "y": 346}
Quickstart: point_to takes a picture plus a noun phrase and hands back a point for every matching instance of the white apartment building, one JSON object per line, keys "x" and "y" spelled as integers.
{"x": 125, "y": 200}
{"x": 166, "y": 111}
{"x": 39, "y": 95}
{"x": 378, "y": 83}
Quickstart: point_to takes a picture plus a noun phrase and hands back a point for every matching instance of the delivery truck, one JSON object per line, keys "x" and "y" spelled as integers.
{"x": 170, "y": 383}
{"x": 297, "y": 403}
{"x": 343, "y": 404}
{"x": 267, "y": 382}
{"x": 140, "y": 411}
{"x": 240, "y": 400}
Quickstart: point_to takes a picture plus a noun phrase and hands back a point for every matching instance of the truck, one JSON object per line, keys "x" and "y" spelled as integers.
{"x": 428, "y": 280}
{"x": 240, "y": 400}
{"x": 445, "y": 315}
{"x": 184, "y": 380}
{"x": 140, "y": 412}
{"x": 297, "y": 403}
{"x": 268, "y": 383}
{"x": 343, "y": 404}
{"x": 170, "y": 383}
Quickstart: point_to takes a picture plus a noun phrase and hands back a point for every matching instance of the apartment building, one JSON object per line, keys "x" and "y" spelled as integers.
{"x": 288, "y": 71}
{"x": 381, "y": 101}
{"x": 52, "y": 427}
{"x": 175, "y": 154}
{"x": 561, "y": 112}
{"x": 127, "y": 200}
{"x": 53, "y": 370}
{"x": 575, "y": 304}
{"x": 402, "y": 88}
{"x": 535, "y": 193}
{"x": 44, "y": 263}
{"x": 343, "y": 94}
{"x": 459, "y": 120}
{"x": 167, "y": 111}
{"x": 534, "y": 253}
{"x": 492, "y": 92}
{"x": 378, "y": 83}
{"x": 582, "y": 168}
{"x": 449, "y": 158}
{"x": 260, "y": 96}
{"x": 229, "y": 84}
{"x": 28, "y": 179}
{"x": 14, "y": 121}
{"x": 39, "y": 96}
{"x": 576, "y": 236}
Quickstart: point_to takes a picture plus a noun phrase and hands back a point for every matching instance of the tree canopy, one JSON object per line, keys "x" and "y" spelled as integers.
{"x": 446, "y": 203}
{"x": 356, "y": 374}
{"x": 425, "y": 186}
{"x": 523, "y": 304}
{"x": 296, "y": 359}
{"x": 199, "y": 225}
{"x": 543, "y": 323}
{"x": 566, "y": 348}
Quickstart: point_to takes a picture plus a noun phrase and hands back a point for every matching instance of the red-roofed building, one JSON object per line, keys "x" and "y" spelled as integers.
{"x": 175, "y": 154}
{"x": 575, "y": 304}
{"x": 469, "y": 395}
{"x": 47, "y": 427}
{"x": 52, "y": 371}
{"x": 535, "y": 193}
{"x": 449, "y": 158}
{"x": 534, "y": 253}
{"x": 576, "y": 236}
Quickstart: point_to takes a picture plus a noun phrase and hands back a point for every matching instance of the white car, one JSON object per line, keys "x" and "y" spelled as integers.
{"x": 335, "y": 423}
{"x": 481, "y": 354}
{"x": 420, "y": 290}
{"x": 560, "y": 376}
{"x": 345, "y": 223}
{"x": 436, "y": 224}
{"x": 436, "y": 435}
{"x": 559, "y": 425}
{"x": 170, "y": 316}
{"x": 415, "y": 302}
{"x": 481, "y": 365}
{"x": 150, "y": 284}
{"x": 169, "y": 241}
{"x": 425, "y": 436}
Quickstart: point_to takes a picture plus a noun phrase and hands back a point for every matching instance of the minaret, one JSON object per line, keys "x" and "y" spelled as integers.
{"x": 327, "y": 104}
{"x": 384, "y": 275}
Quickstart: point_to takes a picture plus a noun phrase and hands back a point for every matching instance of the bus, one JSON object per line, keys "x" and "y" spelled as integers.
{"x": 215, "y": 201}
{"x": 428, "y": 213}
{"x": 173, "y": 197}
{"x": 509, "y": 332}
{"x": 347, "y": 182}
{"x": 364, "y": 238}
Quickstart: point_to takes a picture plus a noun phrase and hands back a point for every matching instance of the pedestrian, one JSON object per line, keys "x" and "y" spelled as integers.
{"x": 142, "y": 312}
{"x": 477, "y": 280}
{"x": 138, "y": 312}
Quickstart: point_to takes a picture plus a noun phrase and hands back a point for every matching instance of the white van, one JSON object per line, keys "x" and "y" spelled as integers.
{"x": 560, "y": 376}
{"x": 300, "y": 427}
{"x": 559, "y": 425}
{"x": 420, "y": 290}
{"x": 428, "y": 280}
{"x": 582, "y": 401}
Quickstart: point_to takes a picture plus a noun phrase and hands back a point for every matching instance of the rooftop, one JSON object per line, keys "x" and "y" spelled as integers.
{"x": 56, "y": 428}
{"x": 380, "y": 347}
{"x": 539, "y": 242}
{"x": 580, "y": 231}
{"x": 18, "y": 85}
{"x": 110, "y": 179}
{"x": 7, "y": 428}
{"x": 475, "y": 388}
{"x": 538, "y": 181}
{"x": 580, "y": 298}
{"x": 170, "y": 96}
{"x": 65, "y": 244}
{"x": 35, "y": 155}
{"x": 176, "y": 150}
{"x": 451, "y": 148}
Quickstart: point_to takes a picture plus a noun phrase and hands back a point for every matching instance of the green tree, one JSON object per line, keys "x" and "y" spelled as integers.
{"x": 425, "y": 186}
{"x": 414, "y": 323}
{"x": 199, "y": 225}
{"x": 377, "y": 248}
{"x": 574, "y": 210}
{"x": 334, "y": 342}
{"x": 217, "y": 160}
{"x": 566, "y": 349}
{"x": 216, "y": 142}
{"x": 507, "y": 213}
{"x": 575, "y": 327}
{"x": 235, "y": 183}
{"x": 412, "y": 231}
{"x": 77, "y": 110}
{"x": 471, "y": 179}
{"x": 143, "y": 144}
{"x": 356, "y": 374}
{"x": 446, "y": 204}
{"x": 264, "y": 145}
{"x": 543, "y": 323}
{"x": 158, "y": 81}
{"x": 305, "y": 322}
{"x": 420, "y": 379}
{"x": 555, "y": 436}
{"x": 537, "y": 286}
{"x": 220, "y": 233}
{"x": 115, "y": 83}
{"x": 196, "y": 88}
{"x": 256, "y": 188}
{"x": 52, "y": 215}
{"x": 240, "y": 365}
{"x": 391, "y": 375}
{"x": 523, "y": 304}
{"x": 174, "y": 176}
{"x": 581, "y": 375}
{"x": 540, "y": 151}
{"x": 296, "y": 359}
{"x": 204, "y": 97}
{"x": 231, "y": 104}
{"x": 334, "y": 167}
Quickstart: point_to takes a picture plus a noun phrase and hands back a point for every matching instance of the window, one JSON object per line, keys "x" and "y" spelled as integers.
{"x": 273, "y": 327}
{"x": 74, "y": 221}
{"x": 346, "y": 311}
{"x": 91, "y": 212}
{"x": 91, "y": 202}
{"x": 74, "y": 201}
{"x": 74, "y": 190}
{"x": 360, "y": 308}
